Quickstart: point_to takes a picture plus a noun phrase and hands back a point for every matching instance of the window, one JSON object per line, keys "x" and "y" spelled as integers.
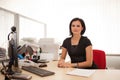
{"x": 30, "y": 29}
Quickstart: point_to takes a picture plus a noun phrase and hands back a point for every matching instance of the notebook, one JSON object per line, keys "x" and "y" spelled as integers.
{"x": 81, "y": 72}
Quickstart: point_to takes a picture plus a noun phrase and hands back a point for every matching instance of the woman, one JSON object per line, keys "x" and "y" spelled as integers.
{"x": 78, "y": 47}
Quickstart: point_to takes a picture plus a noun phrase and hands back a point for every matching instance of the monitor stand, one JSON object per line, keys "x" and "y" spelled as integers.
{"x": 9, "y": 74}
{"x": 11, "y": 69}
{"x": 16, "y": 69}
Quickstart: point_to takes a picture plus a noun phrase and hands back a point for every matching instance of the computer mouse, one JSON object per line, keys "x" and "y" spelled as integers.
{"x": 27, "y": 61}
{"x": 43, "y": 65}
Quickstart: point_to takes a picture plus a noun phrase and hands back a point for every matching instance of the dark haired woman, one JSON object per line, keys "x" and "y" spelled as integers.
{"x": 78, "y": 47}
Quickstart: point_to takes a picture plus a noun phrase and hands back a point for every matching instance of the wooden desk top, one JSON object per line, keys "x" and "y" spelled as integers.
{"x": 60, "y": 74}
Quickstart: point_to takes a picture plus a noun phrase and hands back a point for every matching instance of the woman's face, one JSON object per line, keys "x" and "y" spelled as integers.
{"x": 76, "y": 27}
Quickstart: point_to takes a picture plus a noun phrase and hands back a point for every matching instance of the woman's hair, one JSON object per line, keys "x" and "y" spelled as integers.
{"x": 82, "y": 23}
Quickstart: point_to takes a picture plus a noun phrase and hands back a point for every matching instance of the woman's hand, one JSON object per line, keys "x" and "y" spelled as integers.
{"x": 61, "y": 63}
{"x": 67, "y": 65}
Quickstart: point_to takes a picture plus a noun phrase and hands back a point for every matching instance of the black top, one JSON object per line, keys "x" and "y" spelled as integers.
{"x": 77, "y": 53}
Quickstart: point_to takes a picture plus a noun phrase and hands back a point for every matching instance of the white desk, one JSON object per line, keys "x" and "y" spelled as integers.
{"x": 60, "y": 74}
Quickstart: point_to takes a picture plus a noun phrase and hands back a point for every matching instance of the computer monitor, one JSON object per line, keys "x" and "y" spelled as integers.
{"x": 12, "y": 50}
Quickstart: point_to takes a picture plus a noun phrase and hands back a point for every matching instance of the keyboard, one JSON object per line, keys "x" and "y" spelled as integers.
{"x": 38, "y": 71}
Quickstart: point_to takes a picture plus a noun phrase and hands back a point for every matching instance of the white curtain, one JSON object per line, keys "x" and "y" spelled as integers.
{"x": 6, "y": 22}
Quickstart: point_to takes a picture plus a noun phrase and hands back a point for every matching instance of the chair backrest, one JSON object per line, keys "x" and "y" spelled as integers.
{"x": 99, "y": 58}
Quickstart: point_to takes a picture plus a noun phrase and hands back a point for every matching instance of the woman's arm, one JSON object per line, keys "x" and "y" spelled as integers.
{"x": 62, "y": 58}
{"x": 89, "y": 58}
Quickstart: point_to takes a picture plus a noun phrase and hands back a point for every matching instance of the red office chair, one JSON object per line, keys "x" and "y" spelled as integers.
{"x": 99, "y": 58}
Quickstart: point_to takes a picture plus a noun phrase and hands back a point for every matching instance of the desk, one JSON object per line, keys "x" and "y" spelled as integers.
{"x": 60, "y": 74}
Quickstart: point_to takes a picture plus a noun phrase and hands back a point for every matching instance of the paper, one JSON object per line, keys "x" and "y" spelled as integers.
{"x": 81, "y": 72}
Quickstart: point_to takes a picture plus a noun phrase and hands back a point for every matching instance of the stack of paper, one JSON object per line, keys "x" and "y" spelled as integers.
{"x": 81, "y": 72}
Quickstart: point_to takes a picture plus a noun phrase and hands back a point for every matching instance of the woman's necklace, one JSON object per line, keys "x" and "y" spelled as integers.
{"x": 75, "y": 40}
{"x": 74, "y": 44}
